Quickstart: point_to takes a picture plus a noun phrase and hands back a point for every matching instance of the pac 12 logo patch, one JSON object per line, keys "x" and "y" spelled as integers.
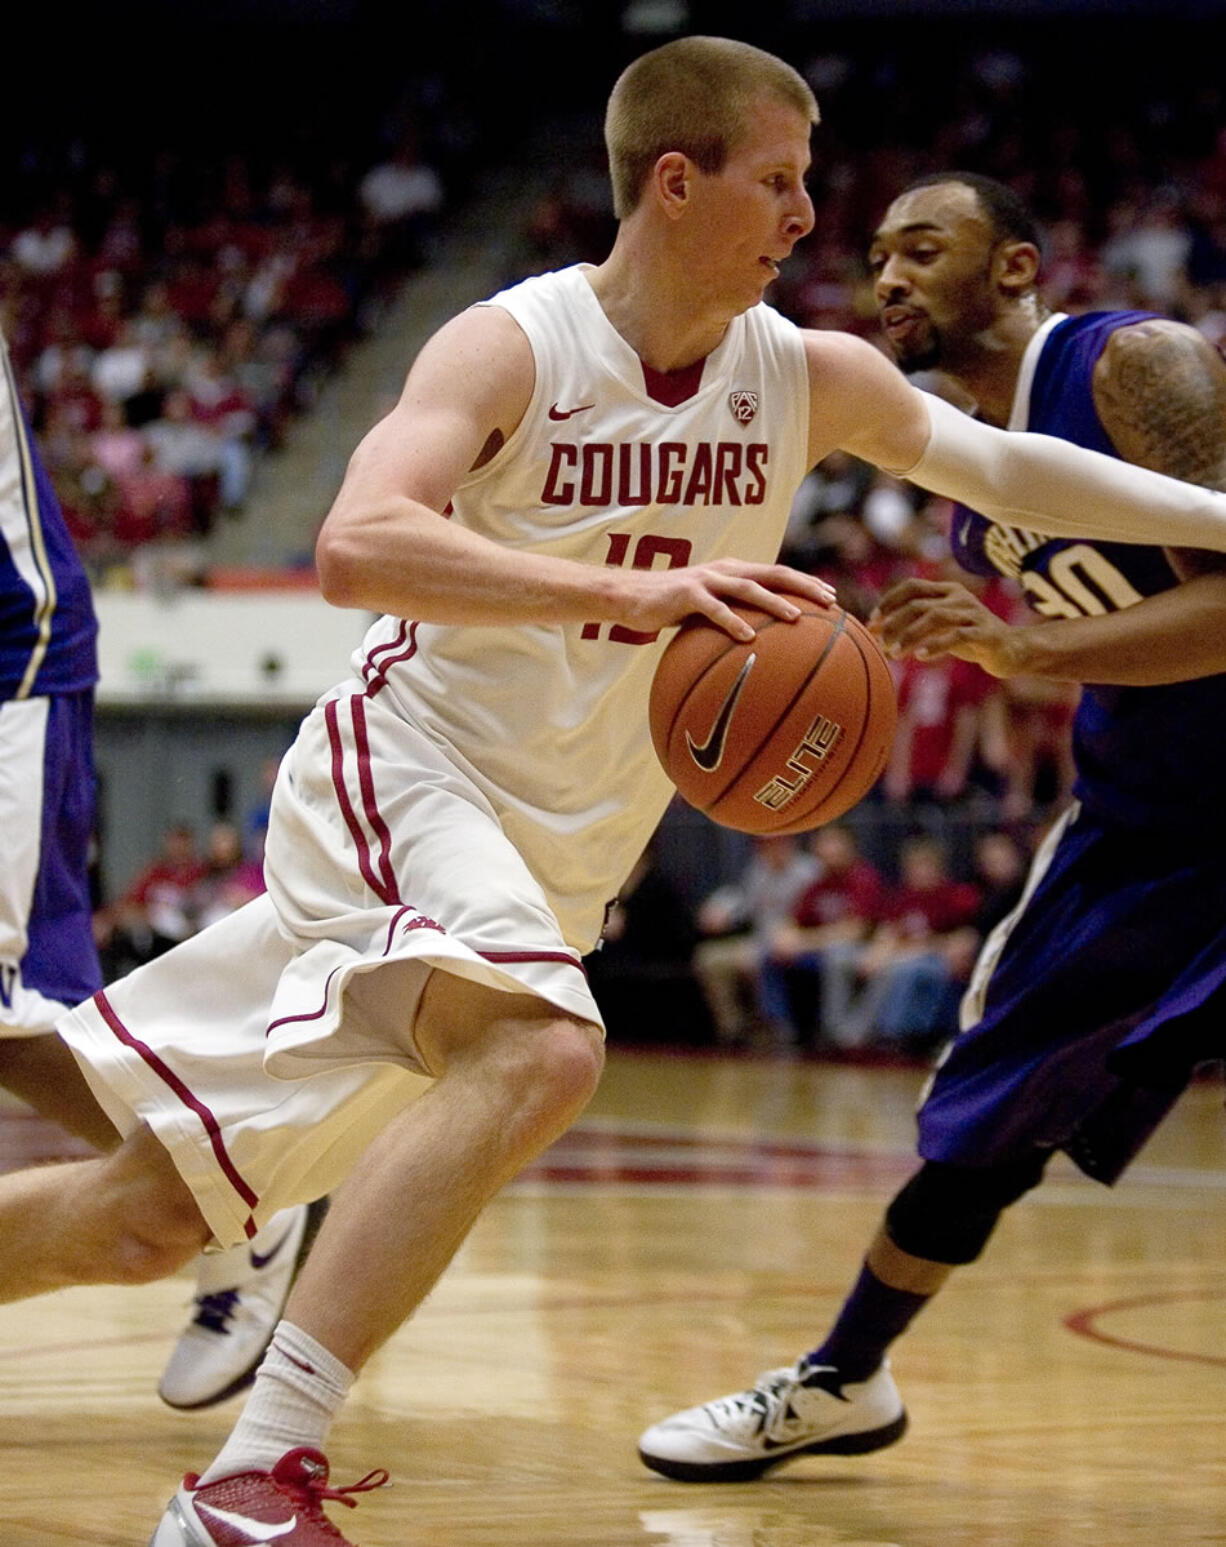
{"x": 744, "y": 406}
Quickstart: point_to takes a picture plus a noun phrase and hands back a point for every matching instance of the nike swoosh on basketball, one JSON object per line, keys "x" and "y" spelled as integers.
{"x": 710, "y": 754}
{"x": 258, "y": 1262}
{"x": 257, "y": 1530}
{"x": 564, "y": 413}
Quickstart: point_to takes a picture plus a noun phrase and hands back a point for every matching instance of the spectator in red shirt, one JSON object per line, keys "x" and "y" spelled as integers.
{"x": 940, "y": 717}
{"x": 813, "y": 951}
{"x": 155, "y": 912}
{"x": 229, "y": 880}
{"x": 902, "y": 969}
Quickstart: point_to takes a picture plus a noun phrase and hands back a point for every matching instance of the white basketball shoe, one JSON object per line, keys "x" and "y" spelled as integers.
{"x": 805, "y": 1410}
{"x": 240, "y": 1295}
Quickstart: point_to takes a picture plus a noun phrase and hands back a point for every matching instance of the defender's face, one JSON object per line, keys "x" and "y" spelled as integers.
{"x": 931, "y": 261}
{"x": 748, "y": 216}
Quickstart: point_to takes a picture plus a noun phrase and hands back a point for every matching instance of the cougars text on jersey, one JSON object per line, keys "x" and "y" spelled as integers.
{"x": 594, "y": 474}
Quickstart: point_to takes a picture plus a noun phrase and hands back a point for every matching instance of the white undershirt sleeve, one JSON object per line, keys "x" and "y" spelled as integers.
{"x": 1050, "y": 486}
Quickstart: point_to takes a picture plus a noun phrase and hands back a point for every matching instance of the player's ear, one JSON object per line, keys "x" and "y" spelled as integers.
{"x": 670, "y": 179}
{"x": 1017, "y": 267}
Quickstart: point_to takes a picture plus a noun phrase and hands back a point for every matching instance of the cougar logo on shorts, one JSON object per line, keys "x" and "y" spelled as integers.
{"x": 744, "y": 406}
{"x": 420, "y": 921}
{"x": 8, "y": 982}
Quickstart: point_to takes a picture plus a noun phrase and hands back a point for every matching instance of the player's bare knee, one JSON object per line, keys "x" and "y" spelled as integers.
{"x": 155, "y": 1223}
{"x": 141, "y": 1258}
{"x": 574, "y": 1064}
{"x": 550, "y": 1074}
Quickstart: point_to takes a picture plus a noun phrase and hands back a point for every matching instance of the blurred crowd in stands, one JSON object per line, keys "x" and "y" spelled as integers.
{"x": 168, "y": 316}
{"x": 181, "y": 890}
{"x": 812, "y": 947}
{"x": 186, "y": 885}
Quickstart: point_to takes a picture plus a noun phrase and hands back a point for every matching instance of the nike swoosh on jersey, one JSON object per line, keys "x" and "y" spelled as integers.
{"x": 258, "y": 1261}
{"x": 257, "y": 1530}
{"x": 710, "y": 754}
{"x": 564, "y": 413}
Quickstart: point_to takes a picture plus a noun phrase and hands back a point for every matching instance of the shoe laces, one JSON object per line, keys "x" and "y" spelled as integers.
{"x": 761, "y": 1407}
{"x": 305, "y": 1480}
{"x": 215, "y": 1312}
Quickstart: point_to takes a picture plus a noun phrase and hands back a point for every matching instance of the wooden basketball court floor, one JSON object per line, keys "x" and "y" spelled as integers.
{"x": 700, "y": 1225}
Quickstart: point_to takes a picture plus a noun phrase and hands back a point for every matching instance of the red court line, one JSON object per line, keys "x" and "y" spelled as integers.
{"x": 1083, "y": 1324}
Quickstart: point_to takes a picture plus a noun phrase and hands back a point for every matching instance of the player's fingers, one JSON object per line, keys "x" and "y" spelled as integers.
{"x": 800, "y": 584}
{"x": 911, "y": 590}
{"x": 745, "y": 591}
{"x": 907, "y": 633}
{"x": 935, "y": 644}
{"x": 780, "y": 577}
{"x": 896, "y": 623}
{"x": 718, "y": 612}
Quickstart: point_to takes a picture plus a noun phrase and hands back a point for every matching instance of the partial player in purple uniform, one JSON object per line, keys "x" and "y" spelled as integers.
{"x": 1096, "y": 999}
{"x": 48, "y": 959}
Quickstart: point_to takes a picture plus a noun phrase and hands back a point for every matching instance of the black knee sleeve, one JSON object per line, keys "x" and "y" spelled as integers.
{"x": 946, "y": 1213}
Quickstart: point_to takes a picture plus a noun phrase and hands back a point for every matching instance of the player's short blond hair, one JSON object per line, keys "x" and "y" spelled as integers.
{"x": 692, "y": 95}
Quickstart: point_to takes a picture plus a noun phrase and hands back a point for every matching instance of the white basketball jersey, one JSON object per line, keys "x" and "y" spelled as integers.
{"x": 550, "y": 720}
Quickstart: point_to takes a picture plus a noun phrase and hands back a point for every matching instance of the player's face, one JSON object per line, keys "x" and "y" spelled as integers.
{"x": 931, "y": 261}
{"x": 748, "y": 216}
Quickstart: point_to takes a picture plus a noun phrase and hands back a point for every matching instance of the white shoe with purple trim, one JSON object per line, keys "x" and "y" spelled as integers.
{"x": 240, "y": 1295}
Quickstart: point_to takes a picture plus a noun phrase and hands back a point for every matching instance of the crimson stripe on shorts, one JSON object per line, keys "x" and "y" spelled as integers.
{"x": 165, "y": 1073}
{"x": 373, "y": 815}
{"x": 311, "y": 1015}
{"x": 315, "y": 1015}
{"x": 378, "y": 682}
{"x": 391, "y": 928}
{"x": 533, "y": 956}
{"x": 331, "y": 717}
{"x": 389, "y": 647}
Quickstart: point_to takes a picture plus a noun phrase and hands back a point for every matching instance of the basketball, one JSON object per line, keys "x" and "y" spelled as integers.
{"x": 779, "y": 734}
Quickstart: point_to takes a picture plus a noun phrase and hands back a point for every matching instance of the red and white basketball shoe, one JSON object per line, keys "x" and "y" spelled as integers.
{"x": 251, "y": 1509}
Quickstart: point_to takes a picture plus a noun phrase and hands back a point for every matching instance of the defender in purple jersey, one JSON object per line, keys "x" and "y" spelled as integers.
{"x": 48, "y": 958}
{"x": 1096, "y": 999}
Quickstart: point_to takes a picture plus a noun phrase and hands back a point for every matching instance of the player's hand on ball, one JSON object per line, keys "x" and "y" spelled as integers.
{"x": 778, "y": 732}
{"x": 658, "y": 598}
{"x": 933, "y": 618}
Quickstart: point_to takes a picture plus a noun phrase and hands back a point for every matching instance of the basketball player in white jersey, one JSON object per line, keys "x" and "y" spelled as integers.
{"x": 571, "y": 469}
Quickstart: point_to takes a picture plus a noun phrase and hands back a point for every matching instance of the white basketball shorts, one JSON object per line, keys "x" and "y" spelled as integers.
{"x": 267, "y": 1051}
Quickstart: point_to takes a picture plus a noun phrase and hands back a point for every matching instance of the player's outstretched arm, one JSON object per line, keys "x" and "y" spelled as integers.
{"x": 1160, "y": 392}
{"x": 386, "y": 546}
{"x": 860, "y": 403}
{"x": 1174, "y": 636}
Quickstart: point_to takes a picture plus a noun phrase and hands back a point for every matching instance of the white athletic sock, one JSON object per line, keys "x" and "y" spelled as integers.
{"x": 298, "y": 1390}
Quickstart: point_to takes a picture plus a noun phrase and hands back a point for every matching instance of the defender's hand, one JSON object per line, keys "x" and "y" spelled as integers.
{"x": 929, "y": 619}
